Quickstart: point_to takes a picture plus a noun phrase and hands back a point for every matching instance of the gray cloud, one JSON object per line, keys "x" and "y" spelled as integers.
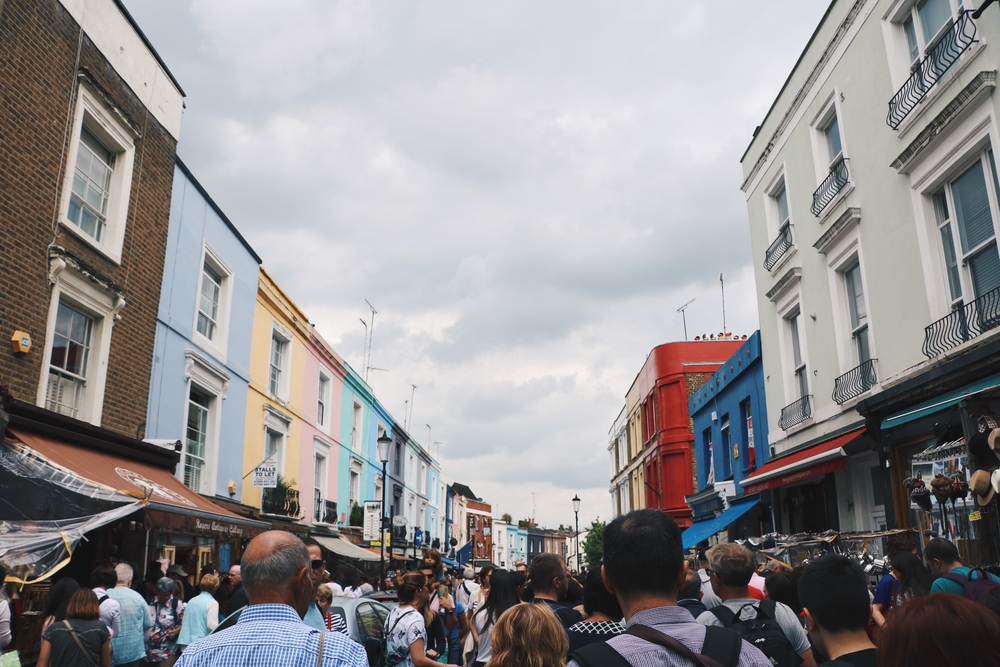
{"x": 526, "y": 191}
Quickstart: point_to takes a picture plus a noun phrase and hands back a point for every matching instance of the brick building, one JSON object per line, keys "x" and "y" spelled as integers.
{"x": 89, "y": 123}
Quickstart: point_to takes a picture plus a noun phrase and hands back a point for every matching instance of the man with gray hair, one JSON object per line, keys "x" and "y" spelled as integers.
{"x": 277, "y": 575}
{"x": 777, "y": 632}
{"x": 129, "y": 647}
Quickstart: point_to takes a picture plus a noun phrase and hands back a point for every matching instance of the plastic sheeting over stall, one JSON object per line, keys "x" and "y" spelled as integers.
{"x": 45, "y": 509}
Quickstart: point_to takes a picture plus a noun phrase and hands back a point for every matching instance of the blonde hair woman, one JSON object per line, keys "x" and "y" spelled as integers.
{"x": 201, "y": 615}
{"x": 528, "y": 635}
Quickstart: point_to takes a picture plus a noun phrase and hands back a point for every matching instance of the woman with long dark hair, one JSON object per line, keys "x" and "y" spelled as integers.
{"x": 914, "y": 581}
{"x": 57, "y": 601}
{"x": 503, "y": 596}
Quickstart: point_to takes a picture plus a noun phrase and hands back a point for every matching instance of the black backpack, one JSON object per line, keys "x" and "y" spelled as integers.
{"x": 763, "y": 632}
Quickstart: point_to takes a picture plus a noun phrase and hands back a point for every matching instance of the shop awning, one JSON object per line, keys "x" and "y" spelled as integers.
{"x": 171, "y": 504}
{"x": 465, "y": 553}
{"x": 702, "y": 530}
{"x": 941, "y": 402}
{"x": 810, "y": 462}
{"x": 342, "y": 547}
{"x": 449, "y": 562}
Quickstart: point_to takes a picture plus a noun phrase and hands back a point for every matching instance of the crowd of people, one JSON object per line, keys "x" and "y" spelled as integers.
{"x": 647, "y": 604}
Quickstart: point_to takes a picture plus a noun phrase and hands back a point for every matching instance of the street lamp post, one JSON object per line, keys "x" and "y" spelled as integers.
{"x": 382, "y": 447}
{"x": 576, "y": 511}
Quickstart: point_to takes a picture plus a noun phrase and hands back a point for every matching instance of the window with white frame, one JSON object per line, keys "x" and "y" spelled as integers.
{"x": 357, "y": 416}
{"x": 69, "y": 361}
{"x": 320, "y": 470}
{"x": 410, "y": 469}
{"x": 211, "y": 325}
{"x": 923, "y": 22}
{"x": 422, "y": 480}
{"x": 208, "y": 302}
{"x": 322, "y": 399}
{"x": 279, "y": 363}
{"x": 379, "y": 485}
{"x": 964, "y": 214}
{"x": 274, "y": 443}
{"x": 197, "y": 436}
{"x": 354, "y": 485}
{"x": 800, "y": 377}
{"x": 95, "y": 197}
{"x": 832, "y": 139}
{"x": 858, "y": 312}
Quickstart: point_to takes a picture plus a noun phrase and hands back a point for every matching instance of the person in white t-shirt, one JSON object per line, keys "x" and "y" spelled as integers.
{"x": 467, "y": 588}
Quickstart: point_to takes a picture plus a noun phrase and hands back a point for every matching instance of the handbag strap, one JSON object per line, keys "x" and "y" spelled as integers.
{"x": 76, "y": 638}
{"x": 319, "y": 658}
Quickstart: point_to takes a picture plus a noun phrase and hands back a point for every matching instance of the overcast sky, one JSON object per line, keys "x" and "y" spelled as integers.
{"x": 526, "y": 191}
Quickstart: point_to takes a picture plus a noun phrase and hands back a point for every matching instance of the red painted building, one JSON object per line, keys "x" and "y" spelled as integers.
{"x": 671, "y": 374}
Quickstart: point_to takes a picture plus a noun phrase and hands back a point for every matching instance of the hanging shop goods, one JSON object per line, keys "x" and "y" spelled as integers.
{"x": 54, "y": 508}
{"x": 867, "y": 548}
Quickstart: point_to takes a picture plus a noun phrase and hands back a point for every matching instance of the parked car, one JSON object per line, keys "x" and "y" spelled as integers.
{"x": 365, "y": 619}
{"x": 390, "y": 599}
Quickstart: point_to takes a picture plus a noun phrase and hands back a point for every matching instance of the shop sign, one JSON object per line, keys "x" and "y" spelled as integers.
{"x": 215, "y": 527}
{"x": 399, "y": 552}
{"x": 265, "y": 476}
{"x": 373, "y": 518}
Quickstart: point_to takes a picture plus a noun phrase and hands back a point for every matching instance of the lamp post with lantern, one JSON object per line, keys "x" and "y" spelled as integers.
{"x": 382, "y": 449}
{"x": 576, "y": 511}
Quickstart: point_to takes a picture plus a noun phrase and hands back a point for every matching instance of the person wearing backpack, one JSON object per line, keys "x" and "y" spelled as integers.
{"x": 833, "y": 591}
{"x": 644, "y": 568}
{"x": 953, "y": 577}
{"x": 405, "y": 630}
{"x": 768, "y": 625}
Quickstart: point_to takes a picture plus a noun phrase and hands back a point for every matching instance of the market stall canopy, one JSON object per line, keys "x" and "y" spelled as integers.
{"x": 449, "y": 562}
{"x": 342, "y": 547}
{"x": 941, "y": 402}
{"x": 804, "y": 464}
{"x": 702, "y": 530}
{"x": 171, "y": 505}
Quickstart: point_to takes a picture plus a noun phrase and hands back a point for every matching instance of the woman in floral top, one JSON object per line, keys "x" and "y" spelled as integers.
{"x": 168, "y": 612}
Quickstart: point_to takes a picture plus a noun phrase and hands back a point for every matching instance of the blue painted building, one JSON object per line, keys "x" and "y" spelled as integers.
{"x": 357, "y": 463}
{"x": 200, "y": 374}
{"x": 729, "y": 415}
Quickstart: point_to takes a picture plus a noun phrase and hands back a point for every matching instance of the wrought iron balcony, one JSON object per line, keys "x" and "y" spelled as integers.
{"x": 281, "y": 502}
{"x": 938, "y": 59}
{"x": 324, "y": 511}
{"x": 971, "y": 320}
{"x": 855, "y": 382}
{"x": 796, "y": 413}
{"x": 779, "y": 247}
{"x": 831, "y": 185}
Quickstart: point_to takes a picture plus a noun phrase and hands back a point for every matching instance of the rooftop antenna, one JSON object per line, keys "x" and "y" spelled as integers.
{"x": 413, "y": 399}
{"x": 722, "y": 282}
{"x": 684, "y": 317}
{"x": 371, "y": 334}
{"x": 364, "y": 349}
{"x": 428, "y": 434}
{"x": 406, "y": 407}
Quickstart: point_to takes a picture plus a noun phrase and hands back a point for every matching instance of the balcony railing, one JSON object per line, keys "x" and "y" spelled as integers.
{"x": 796, "y": 413}
{"x": 831, "y": 185}
{"x": 779, "y": 247}
{"x": 938, "y": 59}
{"x": 855, "y": 382}
{"x": 281, "y": 502}
{"x": 965, "y": 323}
{"x": 324, "y": 511}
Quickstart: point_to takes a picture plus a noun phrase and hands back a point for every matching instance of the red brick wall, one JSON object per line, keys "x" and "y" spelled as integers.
{"x": 38, "y": 47}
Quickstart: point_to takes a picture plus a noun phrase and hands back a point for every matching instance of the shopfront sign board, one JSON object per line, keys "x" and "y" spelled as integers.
{"x": 399, "y": 520}
{"x": 265, "y": 476}
{"x": 373, "y": 517}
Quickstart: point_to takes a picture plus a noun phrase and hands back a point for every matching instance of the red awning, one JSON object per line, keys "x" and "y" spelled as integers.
{"x": 166, "y": 492}
{"x": 810, "y": 462}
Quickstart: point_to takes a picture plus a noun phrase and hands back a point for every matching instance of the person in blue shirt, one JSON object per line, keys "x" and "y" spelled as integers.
{"x": 942, "y": 558}
{"x": 129, "y": 647}
{"x": 277, "y": 574}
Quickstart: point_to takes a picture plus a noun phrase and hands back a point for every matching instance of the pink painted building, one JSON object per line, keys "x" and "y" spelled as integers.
{"x": 321, "y": 398}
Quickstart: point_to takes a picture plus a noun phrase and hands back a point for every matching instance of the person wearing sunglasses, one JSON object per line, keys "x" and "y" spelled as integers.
{"x": 314, "y": 617}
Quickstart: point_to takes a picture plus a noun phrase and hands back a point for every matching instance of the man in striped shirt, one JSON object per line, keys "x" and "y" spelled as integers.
{"x": 644, "y": 567}
{"x": 277, "y": 574}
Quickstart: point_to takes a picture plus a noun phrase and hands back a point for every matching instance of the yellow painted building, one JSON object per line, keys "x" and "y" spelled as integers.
{"x": 636, "y": 470}
{"x": 274, "y": 400}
